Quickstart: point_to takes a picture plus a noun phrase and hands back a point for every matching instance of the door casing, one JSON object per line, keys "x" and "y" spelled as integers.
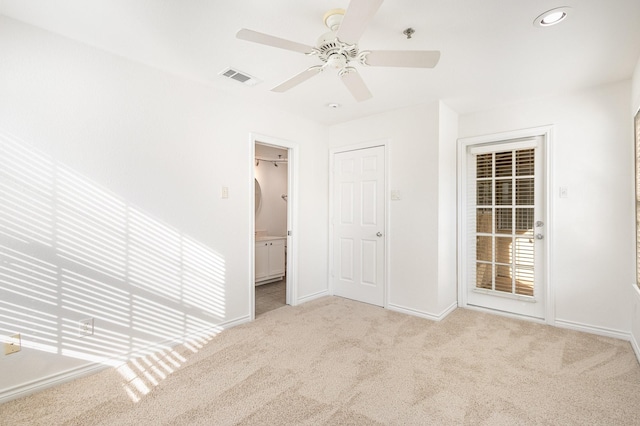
{"x": 292, "y": 217}
{"x": 463, "y": 144}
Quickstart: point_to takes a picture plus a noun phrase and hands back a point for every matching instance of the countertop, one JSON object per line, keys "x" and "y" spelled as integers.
{"x": 270, "y": 238}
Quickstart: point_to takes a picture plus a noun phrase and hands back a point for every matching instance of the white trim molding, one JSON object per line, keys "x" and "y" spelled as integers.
{"x": 292, "y": 215}
{"x": 313, "y": 296}
{"x": 463, "y": 145}
{"x": 635, "y": 318}
{"x": 591, "y": 329}
{"x": 433, "y": 317}
{"x": 635, "y": 346}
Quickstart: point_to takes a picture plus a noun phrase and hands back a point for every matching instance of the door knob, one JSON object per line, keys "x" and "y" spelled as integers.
{"x": 379, "y": 234}
{"x": 539, "y": 236}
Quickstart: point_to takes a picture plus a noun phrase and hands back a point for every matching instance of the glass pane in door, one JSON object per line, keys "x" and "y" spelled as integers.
{"x": 505, "y": 221}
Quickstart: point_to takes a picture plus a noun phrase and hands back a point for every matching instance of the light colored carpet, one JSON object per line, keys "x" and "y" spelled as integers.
{"x": 336, "y": 361}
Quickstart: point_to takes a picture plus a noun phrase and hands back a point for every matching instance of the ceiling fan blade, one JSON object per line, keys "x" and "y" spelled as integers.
{"x": 356, "y": 86}
{"x": 356, "y": 19}
{"x": 402, "y": 58}
{"x": 297, "y": 79}
{"x": 269, "y": 40}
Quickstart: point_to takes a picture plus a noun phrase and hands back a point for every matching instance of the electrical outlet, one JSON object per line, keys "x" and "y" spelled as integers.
{"x": 86, "y": 327}
{"x": 13, "y": 344}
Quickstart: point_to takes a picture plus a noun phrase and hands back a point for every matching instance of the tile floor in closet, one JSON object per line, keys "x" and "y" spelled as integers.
{"x": 270, "y": 296}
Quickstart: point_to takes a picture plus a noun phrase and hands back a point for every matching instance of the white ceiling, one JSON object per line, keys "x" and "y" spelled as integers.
{"x": 492, "y": 54}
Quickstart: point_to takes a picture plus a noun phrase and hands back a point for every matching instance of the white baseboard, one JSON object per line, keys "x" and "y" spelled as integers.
{"x": 49, "y": 381}
{"x": 422, "y": 314}
{"x": 504, "y": 314}
{"x": 571, "y": 325}
{"x": 448, "y": 310}
{"x": 313, "y": 296}
{"x": 232, "y": 323}
{"x": 600, "y": 331}
{"x": 94, "y": 367}
{"x": 636, "y": 348}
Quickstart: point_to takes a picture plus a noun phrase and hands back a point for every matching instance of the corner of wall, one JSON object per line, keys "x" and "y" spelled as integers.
{"x": 442, "y": 313}
{"x": 447, "y": 208}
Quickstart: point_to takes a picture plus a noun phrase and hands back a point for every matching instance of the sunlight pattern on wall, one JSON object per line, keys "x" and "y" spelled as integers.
{"x": 71, "y": 250}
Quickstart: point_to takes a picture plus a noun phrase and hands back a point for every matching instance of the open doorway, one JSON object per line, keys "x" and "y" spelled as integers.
{"x": 271, "y": 173}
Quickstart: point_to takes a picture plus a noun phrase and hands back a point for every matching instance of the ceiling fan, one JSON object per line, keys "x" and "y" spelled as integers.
{"x": 338, "y": 48}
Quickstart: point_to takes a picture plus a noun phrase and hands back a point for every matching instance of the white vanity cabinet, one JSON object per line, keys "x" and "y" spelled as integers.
{"x": 269, "y": 259}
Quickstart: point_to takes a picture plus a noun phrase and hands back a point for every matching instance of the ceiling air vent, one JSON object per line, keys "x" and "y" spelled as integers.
{"x": 240, "y": 76}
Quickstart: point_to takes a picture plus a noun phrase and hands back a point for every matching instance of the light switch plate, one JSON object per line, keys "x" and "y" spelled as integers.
{"x": 564, "y": 192}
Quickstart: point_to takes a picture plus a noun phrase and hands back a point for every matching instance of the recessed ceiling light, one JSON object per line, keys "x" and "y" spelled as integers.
{"x": 333, "y": 105}
{"x": 552, "y": 17}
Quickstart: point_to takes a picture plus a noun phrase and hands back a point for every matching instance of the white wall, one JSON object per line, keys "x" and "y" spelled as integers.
{"x": 592, "y": 260}
{"x": 635, "y": 89}
{"x": 415, "y": 145}
{"x": 163, "y": 147}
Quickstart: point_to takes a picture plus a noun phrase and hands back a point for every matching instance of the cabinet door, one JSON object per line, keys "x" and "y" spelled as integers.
{"x": 262, "y": 260}
{"x": 276, "y": 257}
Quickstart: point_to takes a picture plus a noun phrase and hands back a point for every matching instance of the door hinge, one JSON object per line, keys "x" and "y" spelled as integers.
{"x": 289, "y": 233}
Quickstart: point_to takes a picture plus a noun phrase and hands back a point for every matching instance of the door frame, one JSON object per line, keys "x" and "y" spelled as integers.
{"x": 463, "y": 144}
{"x": 292, "y": 216}
{"x": 385, "y": 143}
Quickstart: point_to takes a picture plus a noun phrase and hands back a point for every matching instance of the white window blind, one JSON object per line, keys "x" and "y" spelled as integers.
{"x": 501, "y": 217}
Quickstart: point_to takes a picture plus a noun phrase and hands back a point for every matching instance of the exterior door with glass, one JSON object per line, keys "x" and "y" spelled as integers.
{"x": 505, "y": 226}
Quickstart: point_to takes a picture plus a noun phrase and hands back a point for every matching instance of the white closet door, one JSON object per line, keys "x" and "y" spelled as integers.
{"x": 358, "y": 225}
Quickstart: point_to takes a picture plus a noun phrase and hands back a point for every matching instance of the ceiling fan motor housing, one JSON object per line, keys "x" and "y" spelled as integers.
{"x": 330, "y": 49}
{"x": 337, "y": 61}
{"x": 334, "y": 52}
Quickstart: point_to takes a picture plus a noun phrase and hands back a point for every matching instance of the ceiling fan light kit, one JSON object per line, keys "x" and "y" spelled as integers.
{"x": 338, "y": 48}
